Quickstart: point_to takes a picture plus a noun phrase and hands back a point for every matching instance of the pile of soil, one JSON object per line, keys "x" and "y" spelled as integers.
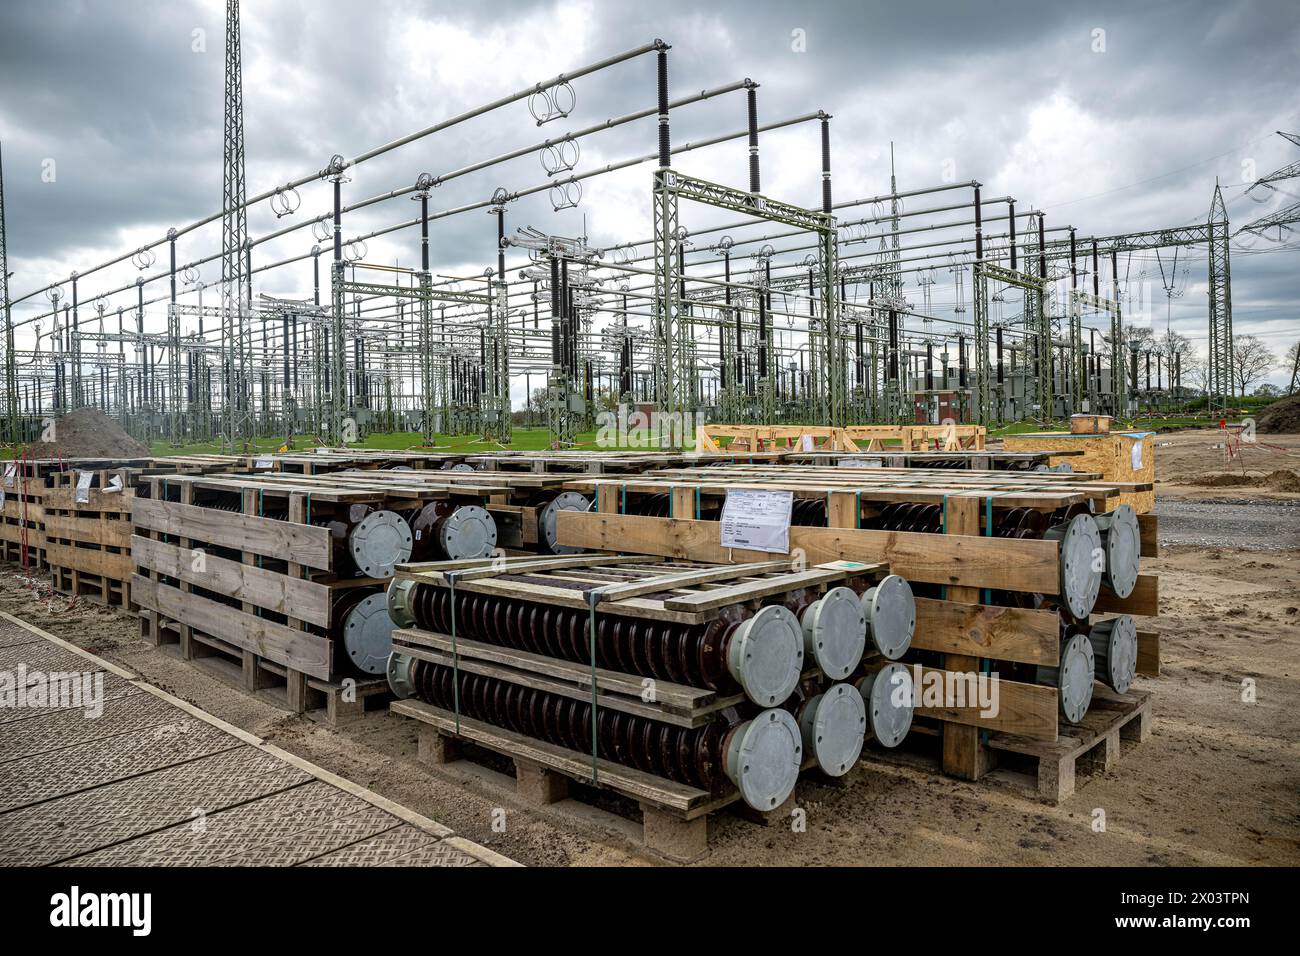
{"x": 87, "y": 433}
{"x": 1280, "y": 480}
{"x": 1281, "y": 417}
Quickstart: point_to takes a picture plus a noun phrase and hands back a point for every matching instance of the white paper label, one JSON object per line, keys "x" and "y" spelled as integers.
{"x": 1137, "y": 456}
{"x": 262, "y": 463}
{"x": 757, "y": 520}
{"x": 114, "y": 485}
{"x": 806, "y": 442}
{"x": 83, "y": 486}
{"x": 2, "y": 499}
{"x": 11, "y": 469}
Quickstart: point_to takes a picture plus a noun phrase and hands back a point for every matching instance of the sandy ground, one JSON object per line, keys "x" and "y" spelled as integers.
{"x": 1217, "y": 783}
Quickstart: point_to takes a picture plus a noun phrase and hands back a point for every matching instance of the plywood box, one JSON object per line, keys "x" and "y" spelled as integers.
{"x": 1116, "y": 456}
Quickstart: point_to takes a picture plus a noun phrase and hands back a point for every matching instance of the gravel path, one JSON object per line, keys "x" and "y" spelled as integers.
{"x": 1251, "y": 524}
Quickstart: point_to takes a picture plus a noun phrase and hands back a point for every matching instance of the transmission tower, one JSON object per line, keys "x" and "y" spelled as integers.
{"x": 11, "y": 381}
{"x": 1220, "y": 391}
{"x": 234, "y": 231}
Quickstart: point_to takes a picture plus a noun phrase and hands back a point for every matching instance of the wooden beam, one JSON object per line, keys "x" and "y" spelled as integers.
{"x": 1000, "y": 633}
{"x": 303, "y": 652}
{"x": 304, "y": 543}
{"x": 1011, "y": 564}
{"x": 281, "y": 593}
{"x": 964, "y": 754}
{"x": 1026, "y": 710}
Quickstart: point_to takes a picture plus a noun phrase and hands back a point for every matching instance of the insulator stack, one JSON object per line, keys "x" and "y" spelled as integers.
{"x": 905, "y": 516}
{"x": 1114, "y": 649}
{"x": 833, "y": 728}
{"x": 808, "y": 513}
{"x": 1122, "y": 540}
{"x": 548, "y": 508}
{"x": 362, "y": 629}
{"x": 762, "y": 653}
{"x": 1073, "y": 677}
{"x": 889, "y": 696}
{"x": 445, "y": 529}
{"x": 761, "y": 756}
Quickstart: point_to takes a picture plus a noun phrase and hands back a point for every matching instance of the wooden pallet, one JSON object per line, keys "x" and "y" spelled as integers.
{"x": 673, "y": 818}
{"x": 334, "y": 702}
{"x": 1050, "y": 771}
{"x": 1082, "y": 750}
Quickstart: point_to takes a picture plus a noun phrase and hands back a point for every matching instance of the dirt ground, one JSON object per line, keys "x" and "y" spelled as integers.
{"x": 1218, "y": 782}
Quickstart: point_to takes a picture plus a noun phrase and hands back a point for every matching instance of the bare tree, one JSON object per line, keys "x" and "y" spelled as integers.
{"x": 1251, "y": 361}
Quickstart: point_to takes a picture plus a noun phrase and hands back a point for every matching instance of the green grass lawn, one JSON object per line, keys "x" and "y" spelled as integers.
{"x": 525, "y": 439}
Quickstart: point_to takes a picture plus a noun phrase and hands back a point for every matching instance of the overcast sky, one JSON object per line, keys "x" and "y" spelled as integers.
{"x": 1108, "y": 116}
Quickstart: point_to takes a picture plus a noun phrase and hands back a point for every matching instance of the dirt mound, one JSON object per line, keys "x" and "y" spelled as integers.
{"x": 1280, "y": 418}
{"x": 87, "y": 433}
{"x": 1280, "y": 480}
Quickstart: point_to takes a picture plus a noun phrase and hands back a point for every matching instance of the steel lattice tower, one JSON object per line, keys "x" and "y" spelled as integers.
{"x": 234, "y": 228}
{"x": 11, "y": 382}
{"x": 1220, "y": 390}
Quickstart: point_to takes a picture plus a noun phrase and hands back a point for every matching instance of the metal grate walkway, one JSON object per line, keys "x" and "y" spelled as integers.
{"x": 150, "y": 780}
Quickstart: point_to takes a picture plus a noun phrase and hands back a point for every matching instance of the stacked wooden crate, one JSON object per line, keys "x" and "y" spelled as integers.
{"x": 986, "y": 595}
{"x": 250, "y": 575}
{"x": 549, "y": 655}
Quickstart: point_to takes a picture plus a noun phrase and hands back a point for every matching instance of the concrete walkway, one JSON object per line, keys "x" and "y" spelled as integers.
{"x": 150, "y": 780}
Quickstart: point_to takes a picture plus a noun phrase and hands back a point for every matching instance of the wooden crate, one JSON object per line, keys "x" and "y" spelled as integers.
{"x": 954, "y": 575}
{"x": 88, "y": 534}
{"x": 1119, "y": 457}
{"x": 673, "y": 816}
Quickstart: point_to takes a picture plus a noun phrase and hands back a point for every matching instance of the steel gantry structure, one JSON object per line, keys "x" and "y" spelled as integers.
{"x": 766, "y": 311}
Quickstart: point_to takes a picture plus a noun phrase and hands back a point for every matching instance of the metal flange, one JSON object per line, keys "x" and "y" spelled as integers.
{"x": 468, "y": 532}
{"x": 379, "y": 542}
{"x": 1114, "y": 649}
{"x": 833, "y": 727}
{"x": 890, "y": 698}
{"x": 835, "y": 632}
{"x": 368, "y": 633}
{"x": 890, "y": 610}
{"x": 1122, "y": 540}
{"x": 1080, "y": 543}
{"x": 1074, "y": 678}
{"x": 399, "y": 675}
{"x": 765, "y": 654}
{"x": 763, "y": 757}
{"x": 400, "y": 594}
{"x": 548, "y": 522}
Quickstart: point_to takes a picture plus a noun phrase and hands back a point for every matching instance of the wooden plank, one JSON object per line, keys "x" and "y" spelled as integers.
{"x": 761, "y": 588}
{"x": 1011, "y": 564}
{"x": 1001, "y": 633}
{"x": 964, "y": 754}
{"x": 678, "y": 696}
{"x": 303, "y": 652}
{"x": 1148, "y": 658}
{"x": 1149, "y": 532}
{"x": 1026, "y": 710}
{"x": 686, "y": 579}
{"x": 281, "y": 593}
{"x": 1143, "y": 602}
{"x": 306, "y": 544}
